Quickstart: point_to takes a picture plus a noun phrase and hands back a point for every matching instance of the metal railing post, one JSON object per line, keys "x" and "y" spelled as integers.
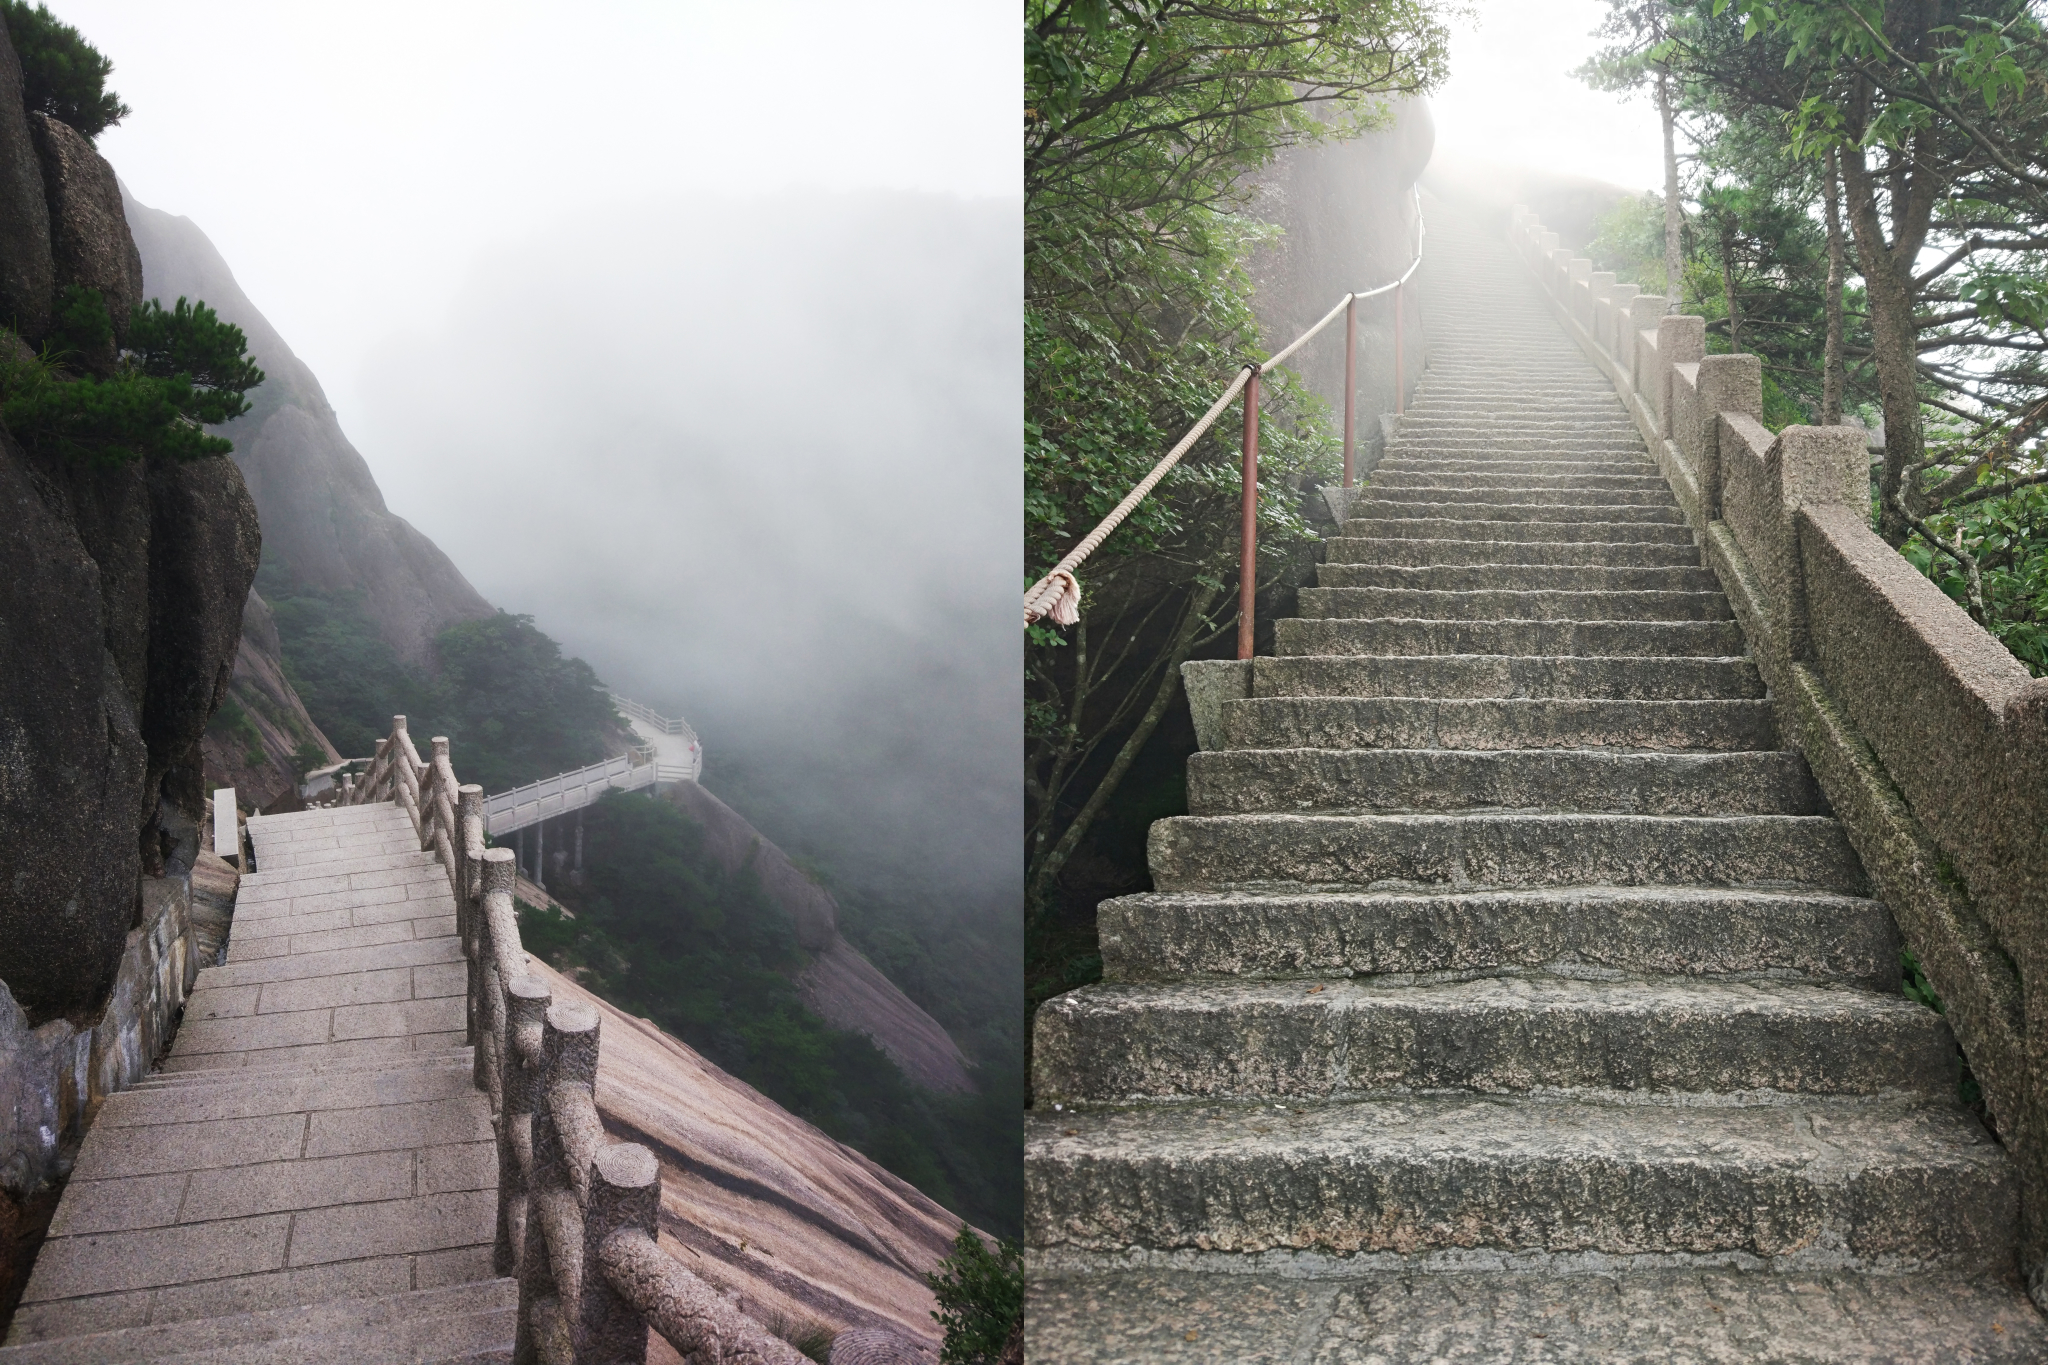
{"x": 1350, "y": 381}
{"x": 1248, "y": 539}
{"x": 1400, "y": 383}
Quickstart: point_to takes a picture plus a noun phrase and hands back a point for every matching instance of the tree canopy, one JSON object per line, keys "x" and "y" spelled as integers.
{"x": 62, "y": 75}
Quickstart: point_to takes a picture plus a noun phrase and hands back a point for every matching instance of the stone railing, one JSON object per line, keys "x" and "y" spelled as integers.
{"x": 576, "y": 1213}
{"x": 1928, "y": 737}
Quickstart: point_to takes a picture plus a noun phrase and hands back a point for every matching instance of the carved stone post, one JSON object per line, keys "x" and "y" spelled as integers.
{"x": 526, "y": 1007}
{"x": 625, "y": 1195}
{"x": 551, "y": 1267}
{"x": 489, "y": 996}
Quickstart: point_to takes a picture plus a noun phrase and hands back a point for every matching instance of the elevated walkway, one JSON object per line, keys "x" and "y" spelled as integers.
{"x": 313, "y": 1174}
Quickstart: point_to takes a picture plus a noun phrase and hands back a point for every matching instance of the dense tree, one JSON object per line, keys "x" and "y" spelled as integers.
{"x": 62, "y": 75}
{"x": 1895, "y": 156}
{"x": 1140, "y": 123}
{"x": 184, "y": 369}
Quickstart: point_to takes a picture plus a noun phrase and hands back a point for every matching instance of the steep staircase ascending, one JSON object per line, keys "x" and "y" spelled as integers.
{"x": 1509, "y": 994}
{"x": 313, "y": 1175}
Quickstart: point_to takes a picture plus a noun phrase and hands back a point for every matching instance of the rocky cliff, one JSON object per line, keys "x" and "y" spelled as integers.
{"x": 121, "y": 591}
{"x": 323, "y": 517}
{"x": 262, "y": 732}
{"x": 790, "y": 1223}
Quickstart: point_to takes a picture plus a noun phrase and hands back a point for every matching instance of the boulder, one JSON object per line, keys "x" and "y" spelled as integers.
{"x": 72, "y": 760}
{"x": 27, "y": 270}
{"x": 89, "y": 240}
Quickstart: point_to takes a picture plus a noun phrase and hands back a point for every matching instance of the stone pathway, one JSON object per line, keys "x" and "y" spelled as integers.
{"x": 1508, "y": 994}
{"x": 313, "y": 1174}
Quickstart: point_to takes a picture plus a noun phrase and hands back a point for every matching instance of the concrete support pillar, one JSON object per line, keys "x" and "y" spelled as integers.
{"x": 540, "y": 853}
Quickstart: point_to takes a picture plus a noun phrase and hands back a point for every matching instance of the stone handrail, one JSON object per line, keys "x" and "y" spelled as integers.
{"x": 577, "y": 1214}
{"x": 1929, "y": 739}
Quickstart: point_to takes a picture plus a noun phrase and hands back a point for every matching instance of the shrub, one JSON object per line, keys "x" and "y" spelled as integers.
{"x": 981, "y": 1298}
{"x": 62, "y": 75}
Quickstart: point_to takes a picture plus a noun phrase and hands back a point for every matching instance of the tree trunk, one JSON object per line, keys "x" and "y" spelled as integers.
{"x": 1674, "y": 212}
{"x": 1045, "y": 869}
{"x": 1888, "y": 283}
{"x": 1728, "y": 283}
{"x": 1832, "y": 378}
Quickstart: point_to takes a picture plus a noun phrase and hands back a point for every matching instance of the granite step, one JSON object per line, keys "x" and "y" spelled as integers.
{"x": 1472, "y": 676}
{"x": 1569, "y": 554}
{"x": 1449, "y": 1180}
{"x": 1501, "y": 849}
{"x": 1552, "y": 529}
{"x": 1336, "y": 598}
{"x": 1639, "y": 1037}
{"x": 1518, "y": 577}
{"x": 1720, "y": 725}
{"x": 1414, "y": 781}
{"x": 1329, "y": 635}
{"x": 1212, "y": 1314}
{"x": 1676, "y": 930}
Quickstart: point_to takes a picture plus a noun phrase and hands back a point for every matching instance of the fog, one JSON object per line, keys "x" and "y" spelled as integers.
{"x": 691, "y": 329}
{"x": 755, "y": 459}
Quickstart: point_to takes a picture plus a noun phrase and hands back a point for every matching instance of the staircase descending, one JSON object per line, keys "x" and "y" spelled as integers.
{"x": 313, "y": 1175}
{"x": 1509, "y": 993}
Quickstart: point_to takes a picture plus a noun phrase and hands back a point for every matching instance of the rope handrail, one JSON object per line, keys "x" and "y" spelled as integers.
{"x": 577, "y": 1215}
{"x": 1058, "y": 593}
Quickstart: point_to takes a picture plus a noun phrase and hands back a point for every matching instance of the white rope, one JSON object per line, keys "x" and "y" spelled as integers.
{"x": 1058, "y": 594}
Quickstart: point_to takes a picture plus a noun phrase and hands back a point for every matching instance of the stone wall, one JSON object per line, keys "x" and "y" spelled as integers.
{"x": 1928, "y": 737}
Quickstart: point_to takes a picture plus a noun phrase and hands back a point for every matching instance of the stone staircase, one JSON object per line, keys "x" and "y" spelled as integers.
{"x": 312, "y": 1176}
{"x": 1508, "y": 993}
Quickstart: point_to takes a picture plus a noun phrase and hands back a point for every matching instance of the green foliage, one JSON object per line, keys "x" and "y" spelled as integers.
{"x": 308, "y": 756}
{"x": 232, "y": 726}
{"x": 1141, "y": 122}
{"x": 79, "y": 325}
{"x": 517, "y": 708}
{"x": 513, "y": 708}
{"x": 1629, "y": 240}
{"x": 981, "y": 1298}
{"x": 810, "y": 1339}
{"x": 185, "y": 369}
{"x": 661, "y": 931}
{"x": 2008, "y": 536}
{"x": 62, "y": 75}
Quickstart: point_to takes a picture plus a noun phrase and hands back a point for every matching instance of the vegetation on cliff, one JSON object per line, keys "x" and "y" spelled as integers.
{"x": 62, "y": 75}
{"x": 661, "y": 932}
{"x": 513, "y": 707}
{"x": 981, "y": 1299}
{"x": 1868, "y": 213}
{"x": 1140, "y": 125}
{"x": 182, "y": 369}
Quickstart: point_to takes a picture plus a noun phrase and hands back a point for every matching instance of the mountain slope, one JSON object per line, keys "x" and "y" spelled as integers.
{"x": 323, "y": 516}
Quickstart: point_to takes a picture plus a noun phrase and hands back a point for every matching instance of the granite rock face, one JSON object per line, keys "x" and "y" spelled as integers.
{"x": 324, "y": 519}
{"x": 27, "y": 267}
{"x": 270, "y": 771}
{"x": 89, "y": 238}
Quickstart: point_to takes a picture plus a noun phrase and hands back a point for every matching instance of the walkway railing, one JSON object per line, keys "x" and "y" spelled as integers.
{"x": 565, "y": 792}
{"x": 577, "y": 1214}
{"x": 1929, "y": 738}
{"x": 1058, "y": 594}
{"x": 667, "y": 725}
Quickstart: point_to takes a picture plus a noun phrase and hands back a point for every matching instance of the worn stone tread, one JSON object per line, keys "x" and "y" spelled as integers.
{"x": 1126, "y": 1316}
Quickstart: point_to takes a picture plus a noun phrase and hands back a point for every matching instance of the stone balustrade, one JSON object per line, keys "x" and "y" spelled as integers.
{"x": 1928, "y": 737}
{"x": 576, "y": 1212}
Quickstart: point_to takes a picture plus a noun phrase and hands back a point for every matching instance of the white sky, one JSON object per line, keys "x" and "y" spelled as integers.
{"x": 351, "y": 161}
{"x": 1512, "y": 99}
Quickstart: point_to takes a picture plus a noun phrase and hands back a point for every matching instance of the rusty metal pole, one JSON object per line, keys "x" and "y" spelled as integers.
{"x": 1350, "y": 380}
{"x": 1400, "y": 387}
{"x": 1248, "y": 543}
